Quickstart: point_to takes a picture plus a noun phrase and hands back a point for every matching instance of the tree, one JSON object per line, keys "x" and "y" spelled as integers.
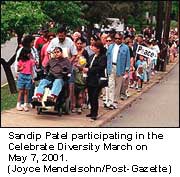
{"x": 64, "y": 13}
{"x": 21, "y": 17}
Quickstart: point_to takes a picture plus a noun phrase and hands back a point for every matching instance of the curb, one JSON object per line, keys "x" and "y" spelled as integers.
{"x": 107, "y": 117}
{"x": 104, "y": 115}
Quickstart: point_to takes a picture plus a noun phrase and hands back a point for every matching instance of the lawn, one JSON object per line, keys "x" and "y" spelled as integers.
{"x": 8, "y": 100}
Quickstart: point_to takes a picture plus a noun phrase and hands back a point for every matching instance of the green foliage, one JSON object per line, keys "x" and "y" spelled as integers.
{"x": 175, "y": 10}
{"x": 21, "y": 17}
{"x": 28, "y": 16}
{"x": 64, "y": 12}
{"x": 8, "y": 100}
{"x": 174, "y": 24}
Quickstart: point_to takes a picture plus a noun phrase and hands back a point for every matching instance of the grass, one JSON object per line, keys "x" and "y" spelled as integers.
{"x": 8, "y": 100}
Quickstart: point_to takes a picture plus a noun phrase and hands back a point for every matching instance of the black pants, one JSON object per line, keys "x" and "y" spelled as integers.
{"x": 93, "y": 94}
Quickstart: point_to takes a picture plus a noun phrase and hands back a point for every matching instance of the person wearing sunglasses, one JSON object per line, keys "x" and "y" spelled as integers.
{"x": 109, "y": 41}
{"x": 118, "y": 64}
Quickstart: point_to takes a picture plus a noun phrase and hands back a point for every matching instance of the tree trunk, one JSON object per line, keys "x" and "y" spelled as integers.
{"x": 159, "y": 21}
{"x": 9, "y": 75}
{"x": 19, "y": 38}
{"x": 7, "y": 67}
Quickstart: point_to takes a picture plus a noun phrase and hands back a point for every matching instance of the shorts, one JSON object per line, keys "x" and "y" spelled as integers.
{"x": 24, "y": 81}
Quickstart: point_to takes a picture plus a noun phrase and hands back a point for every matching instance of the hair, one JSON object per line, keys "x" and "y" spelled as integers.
{"x": 50, "y": 34}
{"x": 62, "y": 30}
{"x": 99, "y": 45}
{"x": 58, "y": 48}
{"x": 24, "y": 54}
{"x": 120, "y": 35}
{"x": 80, "y": 39}
{"x": 95, "y": 37}
{"x": 27, "y": 41}
{"x": 140, "y": 35}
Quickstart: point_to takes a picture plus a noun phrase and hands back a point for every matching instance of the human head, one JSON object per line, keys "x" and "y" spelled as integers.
{"x": 99, "y": 48}
{"x": 28, "y": 41}
{"x": 93, "y": 39}
{"x": 130, "y": 42}
{"x": 57, "y": 52}
{"x": 109, "y": 40}
{"x": 61, "y": 34}
{"x": 140, "y": 38}
{"x": 76, "y": 35}
{"x": 24, "y": 54}
{"x": 79, "y": 43}
{"x": 118, "y": 38}
{"x": 50, "y": 36}
{"x": 103, "y": 38}
{"x": 141, "y": 57}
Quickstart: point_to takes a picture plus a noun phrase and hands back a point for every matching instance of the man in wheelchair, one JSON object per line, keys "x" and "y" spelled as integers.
{"x": 55, "y": 72}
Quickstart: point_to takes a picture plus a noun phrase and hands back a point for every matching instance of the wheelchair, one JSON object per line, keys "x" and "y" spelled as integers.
{"x": 63, "y": 102}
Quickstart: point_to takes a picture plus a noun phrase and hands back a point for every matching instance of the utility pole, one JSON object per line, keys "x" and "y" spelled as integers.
{"x": 166, "y": 33}
{"x": 159, "y": 27}
{"x": 159, "y": 21}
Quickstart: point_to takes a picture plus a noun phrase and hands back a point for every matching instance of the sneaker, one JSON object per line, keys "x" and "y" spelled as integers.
{"x": 73, "y": 110}
{"x": 30, "y": 105}
{"x": 105, "y": 105}
{"x": 124, "y": 97}
{"x": 26, "y": 109}
{"x": 79, "y": 110}
{"x": 19, "y": 108}
{"x": 139, "y": 89}
{"x": 84, "y": 106}
{"x": 115, "y": 106}
{"x": 37, "y": 98}
{"x": 153, "y": 73}
{"x": 111, "y": 107}
{"x": 131, "y": 86}
{"x": 89, "y": 106}
{"x": 127, "y": 94}
{"x": 136, "y": 87}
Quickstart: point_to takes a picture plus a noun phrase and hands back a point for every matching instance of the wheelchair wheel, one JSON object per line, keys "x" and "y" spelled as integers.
{"x": 39, "y": 110}
{"x": 67, "y": 106}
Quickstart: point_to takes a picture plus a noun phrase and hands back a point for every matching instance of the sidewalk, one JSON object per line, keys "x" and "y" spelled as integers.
{"x": 13, "y": 118}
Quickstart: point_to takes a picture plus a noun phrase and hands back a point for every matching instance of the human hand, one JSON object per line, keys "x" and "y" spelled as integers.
{"x": 85, "y": 70}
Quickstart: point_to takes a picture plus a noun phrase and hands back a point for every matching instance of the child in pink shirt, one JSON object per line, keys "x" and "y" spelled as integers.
{"x": 24, "y": 81}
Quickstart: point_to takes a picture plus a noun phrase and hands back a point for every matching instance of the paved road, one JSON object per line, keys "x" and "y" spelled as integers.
{"x": 7, "y": 51}
{"x": 159, "y": 107}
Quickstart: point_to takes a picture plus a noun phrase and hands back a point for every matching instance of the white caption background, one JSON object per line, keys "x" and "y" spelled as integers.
{"x": 95, "y": 157}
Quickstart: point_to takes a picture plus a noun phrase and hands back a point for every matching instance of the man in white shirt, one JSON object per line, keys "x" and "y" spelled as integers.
{"x": 67, "y": 45}
{"x": 70, "y": 52}
{"x": 118, "y": 64}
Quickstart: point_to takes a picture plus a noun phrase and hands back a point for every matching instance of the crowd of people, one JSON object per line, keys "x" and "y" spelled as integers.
{"x": 105, "y": 66}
